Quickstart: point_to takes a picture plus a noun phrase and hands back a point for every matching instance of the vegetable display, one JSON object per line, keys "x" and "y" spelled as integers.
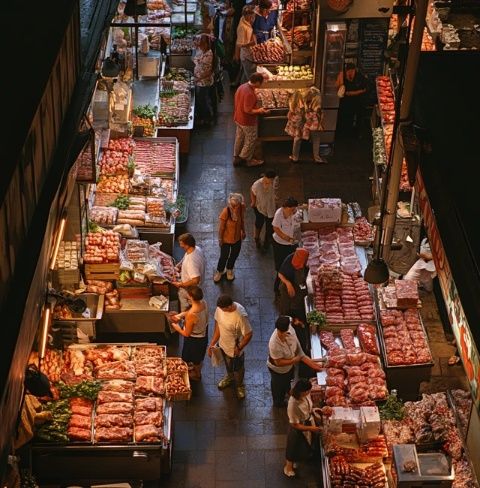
{"x": 84, "y": 389}
{"x": 392, "y": 409}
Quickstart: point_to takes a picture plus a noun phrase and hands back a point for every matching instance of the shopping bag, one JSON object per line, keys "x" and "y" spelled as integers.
{"x": 216, "y": 357}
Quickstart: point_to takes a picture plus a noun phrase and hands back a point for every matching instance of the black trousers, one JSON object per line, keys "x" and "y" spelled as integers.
{"x": 280, "y": 252}
{"x": 228, "y": 255}
{"x": 260, "y": 220}
{"x": 280, "y": 383}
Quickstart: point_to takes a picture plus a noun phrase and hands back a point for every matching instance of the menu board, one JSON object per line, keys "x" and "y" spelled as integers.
{"x": 373, "y": 40}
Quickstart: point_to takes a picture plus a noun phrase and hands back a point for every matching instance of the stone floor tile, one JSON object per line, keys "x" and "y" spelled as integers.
{"x": 231, "y": 466}
{"x": 267, "y": 441}
{"x": 230, "y": 443}
{"x": 199, "y": 475}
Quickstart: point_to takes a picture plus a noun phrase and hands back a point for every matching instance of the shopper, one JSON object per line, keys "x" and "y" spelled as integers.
{"x": 265, "y": 21}
{"x": 245, "y": 116}
{"x": 194, "y": 331}
{"x": 232, "y": 332}
{"x": 302, "y": 428}
{"x": 295, "y": 122}
{"x": 191, "y": 267}
{"x": 231, "y": 232}
{"x": 292, "y": 275}
{"x": 353, "y": 102}
{"x": 285, "y": 227}
{"x": 284, "y": 352}
{"x": 203, "y": 74}
{"x": 245, "y": 40}
{"x": 263, "y": 200}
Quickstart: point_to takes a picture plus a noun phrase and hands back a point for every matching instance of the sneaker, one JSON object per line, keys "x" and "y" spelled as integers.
{"x": 217, "y": 276}
{"x": 230, "y": 275}
{"x": 288, "y": 473}
{"x": 225, "y": 382}
{"x": 255, "y": 162}
{"x": 240, "y": 391}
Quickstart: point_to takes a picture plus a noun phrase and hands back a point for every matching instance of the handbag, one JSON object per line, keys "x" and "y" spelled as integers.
{"x": 217, "y": 356}
{"x": 341, "y": 91}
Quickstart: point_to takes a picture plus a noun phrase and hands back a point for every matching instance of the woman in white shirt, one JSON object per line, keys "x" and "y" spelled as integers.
{"x": 284, "y": 227}
{"x": 263, "y": 197}
{"x": 302, "y": 426}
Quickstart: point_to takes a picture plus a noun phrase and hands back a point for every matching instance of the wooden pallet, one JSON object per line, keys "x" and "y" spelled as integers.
{"x": 104, "y": 271}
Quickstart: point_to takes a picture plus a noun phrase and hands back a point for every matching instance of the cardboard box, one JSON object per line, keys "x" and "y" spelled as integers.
{"x": 343, "y": 419}
{"x": 327, "y": 210}
{"x": 369, "y": 426}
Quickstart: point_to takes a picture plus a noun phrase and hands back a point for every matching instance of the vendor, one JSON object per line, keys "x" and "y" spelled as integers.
{"x": 203, "y": 73}
{"x": 292, "y": 275}
{"x": 284, "y": 352}
{"x": 302, "y": 429}
{"x": 423, "y": 271}
{"x": 265, "y": 21}
{"x": 245, "y": 41}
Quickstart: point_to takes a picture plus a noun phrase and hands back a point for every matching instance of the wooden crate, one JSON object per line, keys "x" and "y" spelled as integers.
{"x": 104, "y": 271}
{"x": 68, "y": 276}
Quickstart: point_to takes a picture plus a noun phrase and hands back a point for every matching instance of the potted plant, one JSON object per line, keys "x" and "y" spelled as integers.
{"x": 316, "y": 320}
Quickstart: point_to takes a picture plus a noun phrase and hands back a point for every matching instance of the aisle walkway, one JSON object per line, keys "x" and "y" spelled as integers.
{"x": 219, "y": 441}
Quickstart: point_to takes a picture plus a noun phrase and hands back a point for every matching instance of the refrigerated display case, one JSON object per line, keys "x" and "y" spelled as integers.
{"x": 334, "y": 40}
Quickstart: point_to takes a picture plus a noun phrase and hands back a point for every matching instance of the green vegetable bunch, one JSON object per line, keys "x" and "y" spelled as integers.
{"x": 180, "y": 32}
{"x": 85, "y": 389}
{"x": 56, "y": 429}
{"x": 179, "y": 206}
{"x": 392, "y": 409}
{"x": 122, "y": 202}
{"x": 145, "y": 111}
{"x": 316, "y": 317}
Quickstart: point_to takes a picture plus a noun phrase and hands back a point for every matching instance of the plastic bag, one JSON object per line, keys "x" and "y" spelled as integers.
{"x": 216, "y": 357}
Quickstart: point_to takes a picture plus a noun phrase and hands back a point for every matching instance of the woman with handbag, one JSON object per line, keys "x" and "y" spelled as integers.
{"x": 194, "y": 331}
{"x": 231, "y": 232}
{"x": 302, "y": 429}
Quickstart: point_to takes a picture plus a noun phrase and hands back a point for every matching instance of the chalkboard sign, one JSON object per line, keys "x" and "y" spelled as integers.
{"x": 373, "y": 41}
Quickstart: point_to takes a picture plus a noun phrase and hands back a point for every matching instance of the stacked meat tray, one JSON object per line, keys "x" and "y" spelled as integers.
{"x": 109, "y": 401}
{"x": 136, "y": 177}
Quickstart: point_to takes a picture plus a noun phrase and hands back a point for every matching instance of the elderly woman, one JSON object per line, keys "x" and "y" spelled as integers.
{"x": 194, "y": 331}
{"x": 265, "y": 21}
{"x": 203, "y": 73}
{"x": 245, "y": 40}
{"x": 284, "y": 352}
{"x": 231, "y": 232}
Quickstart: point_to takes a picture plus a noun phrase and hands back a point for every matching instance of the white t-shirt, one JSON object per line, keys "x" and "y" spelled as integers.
{"x": 233, "y": 327}
{"x": 265, "y": 197}
{"x": 288, "y": 349}
{"x": 286, "y": 225}
{"x": 299, "y": 410}
{"x": 193, "y": 265}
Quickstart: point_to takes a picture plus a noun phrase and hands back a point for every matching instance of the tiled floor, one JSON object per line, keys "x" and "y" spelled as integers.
{"x": 220, "y": 442}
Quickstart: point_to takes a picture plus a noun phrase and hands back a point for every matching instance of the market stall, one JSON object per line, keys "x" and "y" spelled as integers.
{"x": 110, "y": 403}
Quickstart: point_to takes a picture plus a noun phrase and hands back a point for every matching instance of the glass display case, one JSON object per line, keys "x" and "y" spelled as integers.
{"x": 332, "y": 65}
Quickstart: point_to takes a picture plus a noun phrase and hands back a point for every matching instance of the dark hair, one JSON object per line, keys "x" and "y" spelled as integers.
{"x": 282, "y": 323}
{"x": 187, "y": 239}
{"x": 350, "y": 66}
{"x": 256, "y": 78}
{"x": 270, "y": 174}
{"x": 195, "y": 292}
{"x": 301, "y": 386}
{"x": 265, "y": 4}
{"x": 247, "y": 10}
{"x": 224, "y": 301}
{"x": 290, "y": 202}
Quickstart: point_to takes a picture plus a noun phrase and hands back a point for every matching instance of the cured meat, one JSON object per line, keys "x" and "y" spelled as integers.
{"x": 123, "y": 370}
{"x": 81, "y": 402}
{"x": 149, "y": 385}
{"x": 407, "y": 293}
{"x": 115, "y": 407}
{"x": 156, "y": 158}
{"x": 146, "y": 352}
{"x": 113, "y": 420}
{"x": 79, "y": 434}
{"x": 120, "y": 386}
{"x": 149, "y": 404}
{"x": 347, "y": 337}
{"x": 148, "y": 418}
{"x": 327, "y": 339}
{"x": 149, "y": 369}
{"x": 80, "y": 421}
{"x": 81, "y": 410}
{"x": 148, "y": 433}
{"x": 113, "y": 434}
{"x": 114, "y": 396}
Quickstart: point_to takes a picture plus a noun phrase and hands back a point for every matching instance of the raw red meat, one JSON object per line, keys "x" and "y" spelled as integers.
{"x": 80, "y": 421}
{"x": 149, "y": 404}
{"x": 79, "y": 434}
{"x": 114, "y": 434}
{"x": 148, "y": 418}
{"x": 115, "y": 407}
{"x": 113, "y": 420}
{"x": 347, "y": 337}
{"x": 123, "y": 370}
{"x": 149, "y": 385}
{"x": 114, "y": 396}
{"x": 80, "y": 410}
{"x": 148, "y": 433}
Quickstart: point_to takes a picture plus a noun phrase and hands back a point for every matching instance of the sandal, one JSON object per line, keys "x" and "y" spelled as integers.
{"x": 287, "y": 473}
{"x": 293, "y": 160}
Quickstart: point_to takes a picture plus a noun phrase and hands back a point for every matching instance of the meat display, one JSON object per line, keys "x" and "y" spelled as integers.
{"x": 176, "y": 384}
{"x": 407, "y": 293}
{"x": 113, "y": 434}
{"x": 362, "y": 231}
{"x": 348, "y": 338}
{"x": 404, "y": 338}
{"x": 104, "y": 215}
{"x": 343, "y": 474}
{"x": 136, "y": 251}
{"x": 299, "y": 37}
{"x": 148, "y": 433}
{"x": 148, "y": 418}
{"x": 174, "y": 108}
{"x": 113, "y": 420}
{"x": 271, "y": 51}
{"x": 132, "y": 217}
{"x": 149, "y": 404}
{"x": 462, "y": 401}
{"x": 119, "y": 370}
{"x": 115, "y": 407}
{"x": 155, "y": 157}
{"x": 122, "y": 144}
{"x": 176, "y": 365}
{"x": 149, "y": 385}
{"x": 368, "y": 451}
{"x": 113, "y": 184}
{"x": 114, "y": 163}
{"x": 102, "y": 247}
{"x": 114, "y": 396}
{"x": 79, "y": 434}
{"x": 273, "y": 98}
{"x": 367, "y": 336}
